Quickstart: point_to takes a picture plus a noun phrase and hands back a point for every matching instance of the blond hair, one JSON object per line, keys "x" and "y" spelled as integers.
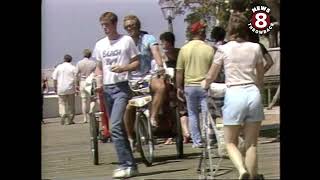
{"x": 134, "y": 18}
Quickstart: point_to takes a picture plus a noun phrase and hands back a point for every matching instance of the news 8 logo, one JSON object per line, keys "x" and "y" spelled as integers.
{"x": 260, "y": 20}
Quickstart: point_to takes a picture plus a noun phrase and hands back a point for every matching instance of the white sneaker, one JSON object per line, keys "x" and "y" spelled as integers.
{"x": 125, "y": 172}
{"x": 200, "y": 145}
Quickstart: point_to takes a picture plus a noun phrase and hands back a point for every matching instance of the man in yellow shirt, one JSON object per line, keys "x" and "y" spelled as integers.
{"x": 194, "y": 61}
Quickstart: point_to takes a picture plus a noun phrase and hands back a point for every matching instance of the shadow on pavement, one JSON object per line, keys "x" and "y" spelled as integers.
{"x": 220, "y": 172}
{"x": 160, "y": 172}
{"x": 165, "y": 159}
{"x": 174, "y": 157}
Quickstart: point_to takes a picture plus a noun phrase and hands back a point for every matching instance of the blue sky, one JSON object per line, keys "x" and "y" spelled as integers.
{"x": 69, "y": 26}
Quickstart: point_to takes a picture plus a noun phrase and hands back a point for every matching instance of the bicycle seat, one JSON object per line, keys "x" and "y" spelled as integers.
{"x": 170, "y": 72}
{"x": 140, "y": 101}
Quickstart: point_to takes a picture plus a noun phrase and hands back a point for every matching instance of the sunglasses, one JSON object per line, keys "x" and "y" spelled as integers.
{"x": 126, "y": 27}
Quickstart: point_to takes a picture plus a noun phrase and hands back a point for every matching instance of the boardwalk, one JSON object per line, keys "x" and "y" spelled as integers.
{"x": 66, "y": 156}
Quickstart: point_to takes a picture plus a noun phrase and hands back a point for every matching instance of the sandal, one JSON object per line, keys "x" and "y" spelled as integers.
{"x": 168, "y": 141}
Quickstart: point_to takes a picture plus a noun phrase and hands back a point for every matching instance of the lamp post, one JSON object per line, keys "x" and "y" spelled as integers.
{"x": 168, "y": 9}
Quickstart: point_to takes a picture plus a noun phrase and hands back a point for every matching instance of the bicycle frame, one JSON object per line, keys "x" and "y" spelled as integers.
{"x": 141, "y": 89}
{"x": 94, "y": 125}
{"x": 141, "y": 100}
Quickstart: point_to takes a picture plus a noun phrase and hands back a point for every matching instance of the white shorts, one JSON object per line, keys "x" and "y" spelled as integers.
{"x": 242, "y": 104}
{"x": 83, "y": 92}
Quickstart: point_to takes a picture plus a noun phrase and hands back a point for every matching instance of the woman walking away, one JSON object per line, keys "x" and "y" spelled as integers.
{"x": 243, "y": 107}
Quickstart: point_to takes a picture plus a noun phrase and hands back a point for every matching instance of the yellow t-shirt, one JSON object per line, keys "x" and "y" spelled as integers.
{"x": 195, "y": 58}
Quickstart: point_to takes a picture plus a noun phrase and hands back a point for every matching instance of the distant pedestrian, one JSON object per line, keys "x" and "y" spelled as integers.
{"x": 218, "y": 35}
{"x": 84, "y": 68}
{"x": 64, "y": 77}
{"x": 45, "y": 85}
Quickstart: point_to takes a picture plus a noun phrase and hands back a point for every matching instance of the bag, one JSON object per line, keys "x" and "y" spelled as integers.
{"x": 218, "y": 90}
{"x": 88, "y": 83}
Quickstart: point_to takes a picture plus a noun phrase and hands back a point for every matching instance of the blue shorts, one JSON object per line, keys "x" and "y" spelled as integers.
{"x": 242, "y": 104}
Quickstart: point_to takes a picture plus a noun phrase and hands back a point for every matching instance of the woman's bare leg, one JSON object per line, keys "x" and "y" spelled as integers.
{"x": 231, "y": 135}
{"x": 251, "y": 134}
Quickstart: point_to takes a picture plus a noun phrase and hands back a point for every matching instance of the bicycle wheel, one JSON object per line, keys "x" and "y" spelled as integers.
{"x": 179, "y": 136}
{"x": 94, "y": 129}
{"x": 144, "y": 138}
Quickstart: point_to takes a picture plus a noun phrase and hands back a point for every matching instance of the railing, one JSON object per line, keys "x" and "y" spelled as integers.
{"x": 272, "y": 76}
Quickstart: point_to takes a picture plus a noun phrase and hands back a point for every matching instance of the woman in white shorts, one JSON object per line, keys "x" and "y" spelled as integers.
{"x": 243, "y": 109}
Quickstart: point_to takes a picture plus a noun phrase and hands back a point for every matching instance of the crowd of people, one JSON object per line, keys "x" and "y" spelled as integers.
{"x": 236, "y": 59}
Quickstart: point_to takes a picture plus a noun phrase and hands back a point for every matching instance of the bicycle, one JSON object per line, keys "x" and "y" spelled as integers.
{"x": 96, "y": 133}
{"x": 142, "y": 126}
{"x": 206, "y": 168}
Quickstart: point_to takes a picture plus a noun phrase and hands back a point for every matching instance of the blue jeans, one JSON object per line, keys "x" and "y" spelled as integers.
{"x": 116, "y": 97}
{"x": 195, "y": 96}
